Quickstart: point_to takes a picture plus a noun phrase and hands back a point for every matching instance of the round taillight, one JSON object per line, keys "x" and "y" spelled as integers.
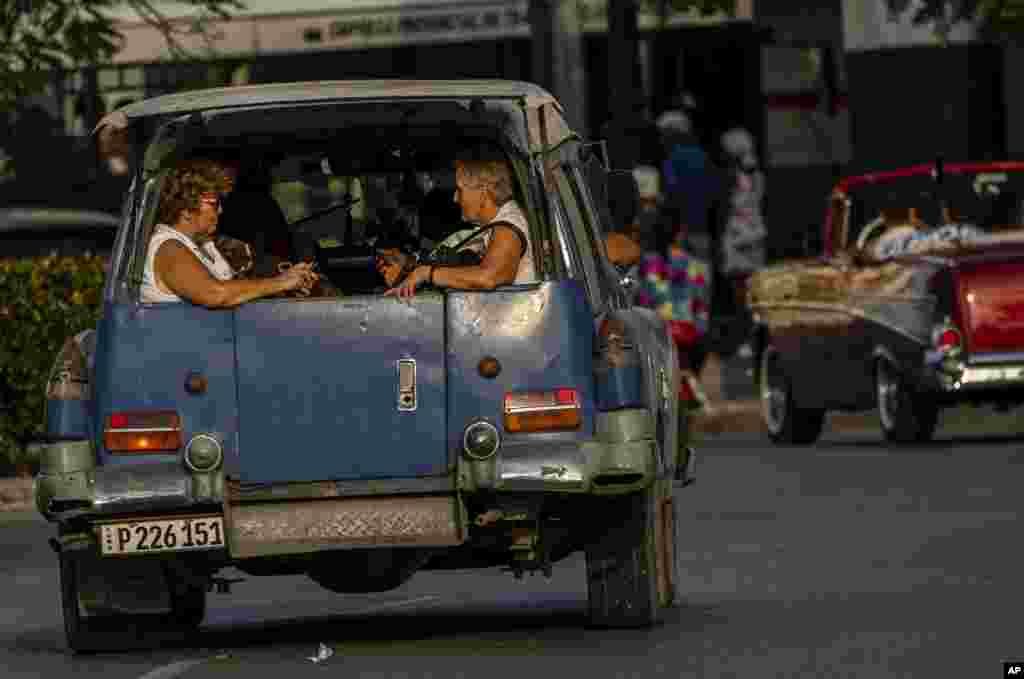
{"x": 203, "y": 453}
{"x": 947, "y": 339}
{"x": 481, "y": 440}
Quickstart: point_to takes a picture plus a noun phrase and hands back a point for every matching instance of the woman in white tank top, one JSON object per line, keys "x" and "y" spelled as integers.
{"x": 178, "y": 268}
{"x": 483, "y": 180}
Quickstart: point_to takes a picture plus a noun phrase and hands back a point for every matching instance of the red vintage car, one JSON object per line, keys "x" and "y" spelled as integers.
{"x": 916, "y": 304}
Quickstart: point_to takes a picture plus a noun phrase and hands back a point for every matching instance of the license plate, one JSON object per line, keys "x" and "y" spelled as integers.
{"x": 162, "y": 535}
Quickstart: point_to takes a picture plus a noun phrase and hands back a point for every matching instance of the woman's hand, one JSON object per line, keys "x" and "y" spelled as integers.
{"x": 416, "y": 278}
{"x": 390, "y": 264}
{"x": 297, "y": 277}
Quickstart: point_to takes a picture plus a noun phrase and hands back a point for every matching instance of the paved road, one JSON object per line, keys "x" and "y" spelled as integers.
{"x": 849, "y": 559}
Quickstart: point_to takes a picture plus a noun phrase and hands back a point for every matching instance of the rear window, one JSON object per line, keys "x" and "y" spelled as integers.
{"x": 338, "y": 199}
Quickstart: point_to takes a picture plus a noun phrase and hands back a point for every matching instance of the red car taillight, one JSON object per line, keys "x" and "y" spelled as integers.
{"x": 140, "y": 432}
{"x": 542, "y": 411}
{"x": 946, "y": 338}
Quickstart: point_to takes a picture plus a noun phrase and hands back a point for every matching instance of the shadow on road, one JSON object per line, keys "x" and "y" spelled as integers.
{"x": 481, "y": 628}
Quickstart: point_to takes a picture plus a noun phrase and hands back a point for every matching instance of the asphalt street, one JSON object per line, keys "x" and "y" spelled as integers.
{"x": 846, "y": 559}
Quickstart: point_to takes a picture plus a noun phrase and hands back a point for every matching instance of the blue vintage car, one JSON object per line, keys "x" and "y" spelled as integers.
{"x": 347, "y": 435}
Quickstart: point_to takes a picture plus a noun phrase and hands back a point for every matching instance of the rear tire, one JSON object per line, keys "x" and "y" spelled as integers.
{"x": 787, "y": 424}
{"x": 905, "y": 414}
{"x": 91, "y": 628}
{"x": 631, "y": 562}
{"x": 91, "y": 633}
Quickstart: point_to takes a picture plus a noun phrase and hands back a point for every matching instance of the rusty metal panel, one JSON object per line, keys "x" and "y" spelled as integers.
{"x": 268, "y": 528}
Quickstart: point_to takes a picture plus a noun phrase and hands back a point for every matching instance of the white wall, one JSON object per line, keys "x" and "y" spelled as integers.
{"x": 868, "y": 25}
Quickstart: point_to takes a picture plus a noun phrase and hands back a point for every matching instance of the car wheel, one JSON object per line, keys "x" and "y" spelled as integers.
{"x": 90, "y": 626}
{"x": 905, "y": 414}
{"x": 85, "y": 632}
{"x": 786, "y": 423}
{"x": 632, "y": 564}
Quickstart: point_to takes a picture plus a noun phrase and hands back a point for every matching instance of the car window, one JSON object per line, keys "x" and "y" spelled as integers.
{"x": 578, "y": 232}
{"x": 592, "y": 222}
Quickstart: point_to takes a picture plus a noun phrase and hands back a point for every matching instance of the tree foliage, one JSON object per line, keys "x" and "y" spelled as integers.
{"x": 37, "y": 36}
{"x": 42, "y": 303}
{"x": 703, "y": 7}
{"x": 998, "y": 20}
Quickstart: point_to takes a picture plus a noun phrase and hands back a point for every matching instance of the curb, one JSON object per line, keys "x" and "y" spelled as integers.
{"x": 744, "y": 417}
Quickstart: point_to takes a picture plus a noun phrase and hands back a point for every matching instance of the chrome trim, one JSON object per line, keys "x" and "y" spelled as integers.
{"x": 536, "y": 467}
{"x": 148, "y": 486}
{"x": 215, "y": 465}
{"x": 988, "y": 358}
{"x": 147, "y": 430}
{"x": 517, "y": 410}
{"x": 465, "y": 443}
{"x": 405, "y": 369}
{"x": 1012, "y": 374}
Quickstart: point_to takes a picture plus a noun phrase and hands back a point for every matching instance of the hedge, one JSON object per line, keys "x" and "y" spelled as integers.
{"x": 43, "y": 301}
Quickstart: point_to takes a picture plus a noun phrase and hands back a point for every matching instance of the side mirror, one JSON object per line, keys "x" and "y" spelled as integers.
{"x": 623, "y": 196}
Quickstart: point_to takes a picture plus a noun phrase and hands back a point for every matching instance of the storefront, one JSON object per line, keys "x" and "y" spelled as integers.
{"x": 453, "y": 39}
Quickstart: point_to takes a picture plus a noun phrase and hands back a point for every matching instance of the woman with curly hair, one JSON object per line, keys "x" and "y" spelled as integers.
{"x": 182, "y": 262}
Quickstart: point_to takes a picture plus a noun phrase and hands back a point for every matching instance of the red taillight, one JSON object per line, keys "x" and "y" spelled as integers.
{"x": 946, "y": 337}
{"x": 949, "y": 338}
{"x": 565, "y": 396}
{"x": 150, "y": 431}
{"x": 542, "y": 410}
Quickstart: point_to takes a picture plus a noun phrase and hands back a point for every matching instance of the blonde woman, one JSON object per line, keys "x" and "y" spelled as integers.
{"x": 182, "y": 262}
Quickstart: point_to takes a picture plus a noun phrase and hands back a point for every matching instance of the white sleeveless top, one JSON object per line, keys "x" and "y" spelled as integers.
{"x": 208, "y": 254}
{"x": 510, "y": 212}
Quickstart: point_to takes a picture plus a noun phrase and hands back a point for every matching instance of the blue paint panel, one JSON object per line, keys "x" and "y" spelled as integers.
{"x": 621, "y": 387}
{"x": 318, "y": 388}
{"x": 144, "y": 354}
{"x": 543, "y": 336}
{"x": 67, "y": 419}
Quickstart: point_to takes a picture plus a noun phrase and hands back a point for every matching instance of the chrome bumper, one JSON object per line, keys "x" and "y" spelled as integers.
{"x": 620, "y": 459}
{"x": 952, "y": 375}
{"x": 69, "y": 484}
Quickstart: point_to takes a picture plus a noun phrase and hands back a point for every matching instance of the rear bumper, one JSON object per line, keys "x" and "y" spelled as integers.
{"x": 955, "y": 378}
{"x": 70, "y": 485}
{"x": 621, "y": 458}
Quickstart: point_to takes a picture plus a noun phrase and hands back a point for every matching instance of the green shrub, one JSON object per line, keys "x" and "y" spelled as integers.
{"x": 42, "y": 302}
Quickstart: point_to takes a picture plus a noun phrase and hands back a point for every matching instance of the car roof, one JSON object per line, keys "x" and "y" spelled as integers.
{"x": 41, "y": 219}
{"x": 332, "y": 90}
{"x": 925, "y": 170}
{"x": 546, "y": 128}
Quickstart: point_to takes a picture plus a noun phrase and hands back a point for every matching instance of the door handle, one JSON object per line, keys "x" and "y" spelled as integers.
{"x": 406, "y": 369}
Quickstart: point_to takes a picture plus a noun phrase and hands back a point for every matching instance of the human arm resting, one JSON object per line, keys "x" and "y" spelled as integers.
{"x": 499, "y": 267}
{"x": 184, "y": 275}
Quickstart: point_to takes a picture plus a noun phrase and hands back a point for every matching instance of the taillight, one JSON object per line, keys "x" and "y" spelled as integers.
{"x": 150, "y": 431}
{"x": 946, "y": 338}
{"x": 556, "y": 410}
